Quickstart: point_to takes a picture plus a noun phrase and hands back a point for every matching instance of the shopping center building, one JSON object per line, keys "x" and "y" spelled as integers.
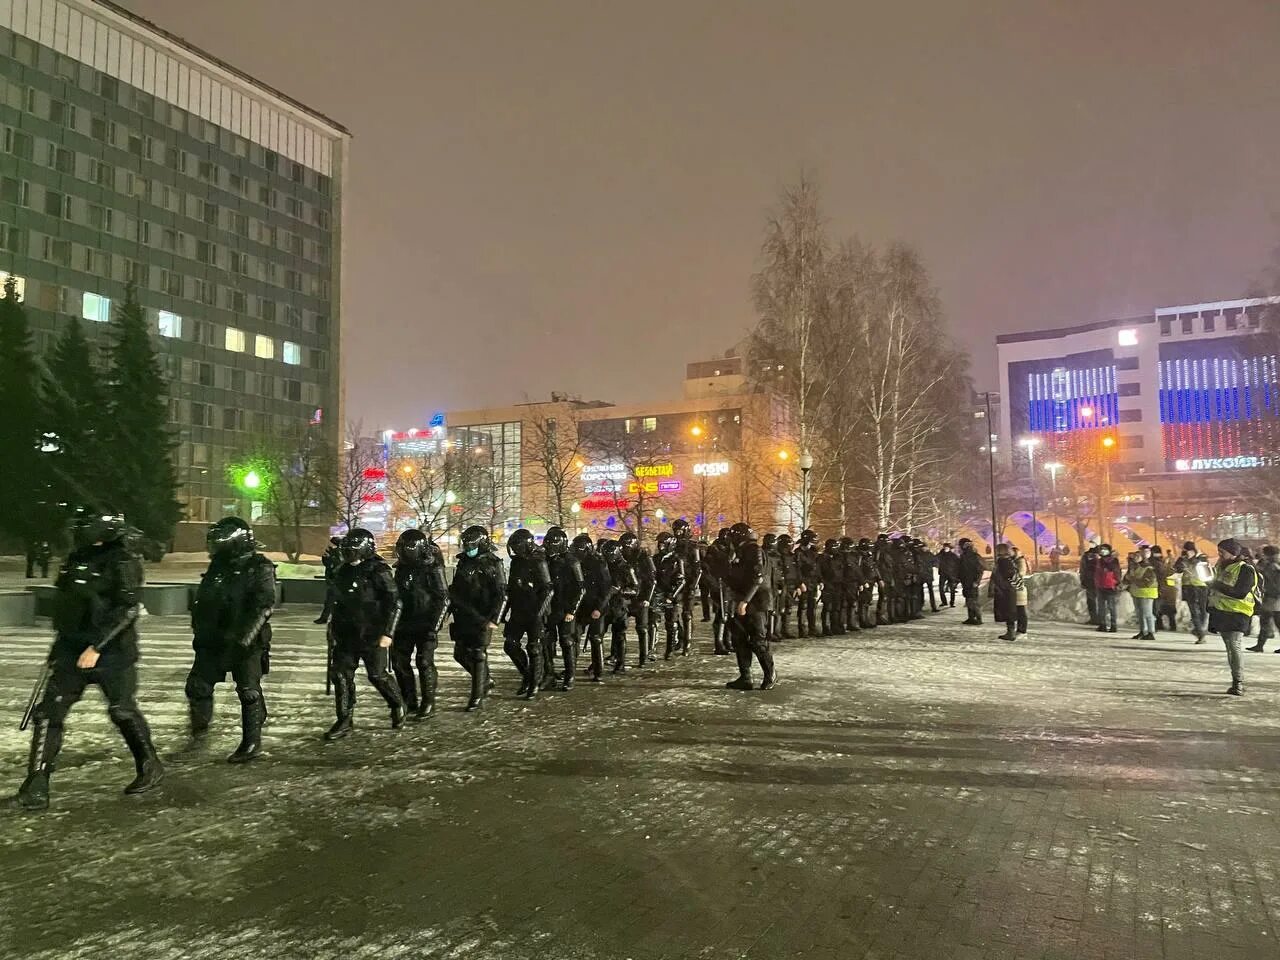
{"x": 717, "y": 454}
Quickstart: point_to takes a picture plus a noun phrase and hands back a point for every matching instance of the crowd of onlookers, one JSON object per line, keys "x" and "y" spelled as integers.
{"x": 1222, "y": 597}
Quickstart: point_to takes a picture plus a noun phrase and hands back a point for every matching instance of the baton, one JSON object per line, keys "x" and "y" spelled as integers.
{"x": 328, "y": 659}
{"x": 35, "y": 696}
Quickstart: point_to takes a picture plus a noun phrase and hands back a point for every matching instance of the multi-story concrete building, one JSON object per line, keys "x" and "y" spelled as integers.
{"x": 1179, "y": 404}
{"x": 719, "y": 454}
{"x": 132, "y": 156}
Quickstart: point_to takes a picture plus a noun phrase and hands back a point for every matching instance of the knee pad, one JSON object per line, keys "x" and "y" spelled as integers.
{"x": 198, "y": 689}
{"x": 249, "y": 695}
{"x": 121, "y": 714}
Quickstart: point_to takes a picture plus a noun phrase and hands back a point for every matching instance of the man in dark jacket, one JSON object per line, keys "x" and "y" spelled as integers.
{"x": 715, "y": 567}
{"x": 1196, "y": 574}
{"x": 1107, "y": 578}
{"x": 424, "y": 599}
{"x": 366, "y": 612}
{"x": 596, "y": 599}
{"x": 230, "y": 623}
{"x": 568, "y": 588}
{"x": 948, "y": 574}
{"x": 1004, "y": 586}
{"x": 752, "y": 595}
{"x": 831, "y": 571}
{"x": 970, "y": 571}
{"x": 670, "y": 586}
{"x": 1231, "y": 604}
{"x": 808, "y": 573}
{"x": 95, "y": 613}
{"x": 476, "y": 596}
{"x": 528, "y": 599}
{"x": 1269, "y": 610}
{"x": 1088, "y": 562}
{"x": 641, "y": 563}
{"x": 331, "y": 559}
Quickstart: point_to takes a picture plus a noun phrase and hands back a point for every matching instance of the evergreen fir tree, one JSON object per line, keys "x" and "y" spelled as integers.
{"x": 76, "y": 408}
{"x": 140, "y": 449}
{"x": 21, "y": 474}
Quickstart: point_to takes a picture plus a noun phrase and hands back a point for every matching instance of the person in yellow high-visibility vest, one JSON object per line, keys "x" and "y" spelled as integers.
{"x": 1231, "y": 600}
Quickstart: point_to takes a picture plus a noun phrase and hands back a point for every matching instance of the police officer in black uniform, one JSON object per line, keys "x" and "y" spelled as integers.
{"x": 95, "y": 614}
{"x": 752, "y": 596}
{"x": 715, "y": 567}
{"x": 851, "y": 585}
{"x": 568, "y": 590}
{"x": 476, "y": 597}
{"x": 596, "y": 600}
{"x": 790, "y": 576}
{"x": 769, "y": 547}
{"x": 883, "y": 556}
{"x": 626, "y": 590}
{"x": 230, "y": 620}
{"x": 641, "y": 563}
{"x": 868, "y": 586}
{"x": 671, "y": 586}
{"x": 528, "y": 599}
{"x": 808, "y": 575}
{"x": 366, "y": 613}
{"x": 424, "y": 598}
{"x": 690, "y": 551}
{"x": 331, "y": 559}
{"x": 831, "y": 572}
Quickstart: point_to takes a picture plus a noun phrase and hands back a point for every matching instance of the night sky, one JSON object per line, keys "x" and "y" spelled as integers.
{"x": 552, "y": 195}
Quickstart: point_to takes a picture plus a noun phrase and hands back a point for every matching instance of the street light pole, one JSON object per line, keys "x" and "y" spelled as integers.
{"x": 1155, "y": 521}
{"x": 991, "y": 470}
{"x": 806, "y": 464}
{"x": 1030, "y": 444}
{"x": 1053, "y": 469}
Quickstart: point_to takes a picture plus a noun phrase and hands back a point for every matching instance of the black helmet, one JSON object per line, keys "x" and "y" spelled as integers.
{"x": 90, "y": 525}
{"x": 882, "y": 536}
{"x": 582, "y": 545}
{"x": 609, "y": 549}
{"x": 830, "y": 546}
{"x": 724, "y": 536}
{"x": 741, "y": 533}
{"x": 864, "y": 542}
{"x": 413, "y": 547}
{"x": 556, "y": 542}
{"x": 520, "y": 543}
{"x": 808, "y": 538}
{"x": 784, "y": 542}
{"x": 768, "y": 541}
{"x": 475, "y": 540}
{"x": 358, "y": 545}
{"x": 846, "y": 543}
{"x": 666, "y": 541}
{"x": 629, "y": 543}
{"x": 681, "y": 529}
{"x": 229, "y": 537}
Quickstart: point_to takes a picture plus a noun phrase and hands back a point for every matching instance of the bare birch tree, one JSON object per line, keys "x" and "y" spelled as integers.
{"x": 361, "y": 477}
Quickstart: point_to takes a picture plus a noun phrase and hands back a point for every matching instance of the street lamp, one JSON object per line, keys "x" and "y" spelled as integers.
{"x": 1053, "y": 469}
{"x": 1104, "y": 508}
{"x": 1029, "y": 444}
{"x": 806, "y": 464}
{"x": 784, "y": 456}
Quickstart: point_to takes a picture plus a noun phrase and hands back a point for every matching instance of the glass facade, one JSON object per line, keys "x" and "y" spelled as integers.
{"x": 232, "y": 245}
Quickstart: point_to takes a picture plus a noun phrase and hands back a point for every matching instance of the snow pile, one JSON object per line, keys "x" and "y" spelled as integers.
{"x": 298, "y": 571}
{"x": 1059, "y": 596}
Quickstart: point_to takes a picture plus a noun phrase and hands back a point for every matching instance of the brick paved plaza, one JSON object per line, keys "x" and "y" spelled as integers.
{"x": 924, "y": 791}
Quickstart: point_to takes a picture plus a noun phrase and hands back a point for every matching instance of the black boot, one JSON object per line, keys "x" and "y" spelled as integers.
{"x": 479, "y": 681}
{"x": 201, "y": 714}
{"x": 344, "y": 700}
{"x": 743, "y": 681}
{"x": 149, "y": 768}
{"x": 251, "y": 716}
{"x": 34, "y": 792}
{"x": 427, "y": 704}
{"x": 1236, "y": 689}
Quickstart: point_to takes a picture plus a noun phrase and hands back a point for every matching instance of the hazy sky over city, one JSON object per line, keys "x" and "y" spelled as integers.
{"x": 569, "y": 195}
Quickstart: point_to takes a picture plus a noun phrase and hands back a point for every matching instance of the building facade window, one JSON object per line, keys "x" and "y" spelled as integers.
{"x": 170, "y": 325}
{"x": 264, "y": 347}
{"x": 234, "y": 340}
{"x": 95, "y": 308}
{"x": 291, "y": 353}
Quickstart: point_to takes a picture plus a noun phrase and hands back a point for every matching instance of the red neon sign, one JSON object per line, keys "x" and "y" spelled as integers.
{"x": 605, "y": 503}
{"x": 375, "y": 473}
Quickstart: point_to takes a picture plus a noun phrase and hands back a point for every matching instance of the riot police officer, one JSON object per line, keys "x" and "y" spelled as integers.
{"x": 596, "y": 600}
{"x": 882, "y": 553}
{"x": 230, "y": 621}
{"x": 769, "y": 547}
{"x": 528, "y": 598}
{"x": 831, "y": 571}
{"x": 715, "y": 567}
{"x": 671, "y": 586}
{"x": 626, "y": 590}
{"x": 96, "y": 642}
{"x": 366, "y": 613}
{"x": 476, "y": 597}
{"x": 641, "y": 563}
{"x": 331, "y": 559}
{"x": 690, "y": 552}
{"x": 752, "y": 595}
{"x": 424, "y": 598}
{"x": 807, "y": 574}
{"x": 867, "y": 575}
{"x": 568, "y": 589}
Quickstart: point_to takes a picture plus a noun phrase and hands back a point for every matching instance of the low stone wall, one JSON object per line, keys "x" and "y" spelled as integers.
{"x": 17, "y": 608}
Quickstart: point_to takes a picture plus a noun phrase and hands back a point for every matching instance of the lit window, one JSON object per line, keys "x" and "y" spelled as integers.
{"x": 19, "y": 284}
{"x": 264, "y": 347}
{"x": 96, "y": 308}
{"x": 170, "y": 325}
{"x": 235, "y": 340}
{"x": 649, "y": 424}
{"x": 1127, "y": 338}
{"x": 292, "y": 353}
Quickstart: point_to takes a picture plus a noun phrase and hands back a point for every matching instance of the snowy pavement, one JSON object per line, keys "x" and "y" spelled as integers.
{"x": 923, "y": 791}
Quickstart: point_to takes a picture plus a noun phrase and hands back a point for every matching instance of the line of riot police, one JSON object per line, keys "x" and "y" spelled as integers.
{"x": 554, "y": 602}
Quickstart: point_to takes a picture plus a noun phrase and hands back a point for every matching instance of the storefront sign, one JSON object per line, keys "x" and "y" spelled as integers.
{"x": 718, "y": 469}
{"x": 669, "y": 486}
{"x": 1222, "y": 463}
{"x": 605, "y": 503}
{"x": 655, "y": 470}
